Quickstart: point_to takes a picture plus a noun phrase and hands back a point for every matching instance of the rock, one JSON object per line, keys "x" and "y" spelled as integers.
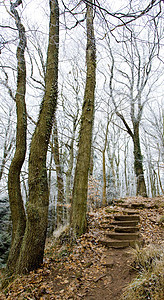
{"x": 109, "y": 262}
{"x": 160, "y": 220}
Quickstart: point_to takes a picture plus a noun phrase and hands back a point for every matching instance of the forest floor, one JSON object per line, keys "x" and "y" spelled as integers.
{"x": 88, "y": 270}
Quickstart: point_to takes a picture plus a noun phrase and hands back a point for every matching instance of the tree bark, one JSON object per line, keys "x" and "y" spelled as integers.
{"x": 32, "y": 250}
{"x": 70, "y": 168}
{"x": 138, "y": 165}
{"x": 60, "y": 183}
{"x": 79, "y": 198}
{"x": 125, "y": 168}
{"x": 14, "y": 188}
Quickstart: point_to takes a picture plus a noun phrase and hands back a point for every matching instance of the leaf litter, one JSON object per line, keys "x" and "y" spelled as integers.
{"x": 88, "y": 270}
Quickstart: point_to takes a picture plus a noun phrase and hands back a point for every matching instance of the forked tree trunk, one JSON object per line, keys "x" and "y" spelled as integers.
{"x": 14, "y": 188}
{"x": 138, "y": 160}
{"x": 32, "y": 250}
{"x": 79, "y": 199}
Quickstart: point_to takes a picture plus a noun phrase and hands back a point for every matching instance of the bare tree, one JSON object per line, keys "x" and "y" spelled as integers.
{"x": 153, "y": 142}
{"x": 7, "y": 146}
{"x": 135, "y": 87}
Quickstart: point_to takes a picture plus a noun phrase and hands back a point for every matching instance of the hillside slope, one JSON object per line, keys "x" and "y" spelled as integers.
{"x": 88, "y": 270}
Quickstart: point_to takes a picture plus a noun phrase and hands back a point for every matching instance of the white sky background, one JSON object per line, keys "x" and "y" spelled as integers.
{"x": 35, "y": 15}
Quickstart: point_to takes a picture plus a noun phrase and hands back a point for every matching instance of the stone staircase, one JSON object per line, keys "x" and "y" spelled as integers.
{"x": 123, "y": 231}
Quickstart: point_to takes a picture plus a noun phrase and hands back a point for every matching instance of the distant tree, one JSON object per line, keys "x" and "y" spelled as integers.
{"x": 153, "y": 141}
{"x": 5, "y": 230}
{"x": 7, "y": 145}
{"x": 134, "y": 81}
{"x": 71, "y": 106}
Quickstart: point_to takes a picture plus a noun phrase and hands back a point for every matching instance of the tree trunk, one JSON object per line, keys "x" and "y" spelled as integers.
{"x": 32, "y": 250}
{"x": 69, "y": 171}
{"x": 159, "y": 178}
{"x": 91, "y": 161}
{"x": 69, "y": 174}
{"x": 60, "y": 183}
{"x": 125, "y": 170}
{"x": 79, "y": 199}
{"x": 104, "y": 198}
{"x": 111, "y": 161}
{"x": 138, "y": 165}
{"x": 14, "y": 189}
{"x": 163, "y": 136}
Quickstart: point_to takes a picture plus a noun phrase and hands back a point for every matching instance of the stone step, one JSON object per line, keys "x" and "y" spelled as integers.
{"x": 122, "y": 236}
{"x": 107, "y": 217}
{"x": 131, "y": 212}
{"x": 138, "y": 205}
{"x": 127, "y": 218}
{"x": 124, "y": 205}
{"x": 120, "y": 244}
{"x": 110, "y": 210}
{"x": 107, "y": 226}
{"x": 126, "y": 229}
{"x": 125, "y": 223}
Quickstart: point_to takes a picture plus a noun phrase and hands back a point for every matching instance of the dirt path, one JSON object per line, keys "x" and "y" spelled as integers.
{"x": 117, "y": 274}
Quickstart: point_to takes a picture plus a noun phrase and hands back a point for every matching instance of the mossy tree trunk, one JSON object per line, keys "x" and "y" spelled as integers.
{"x": 14, "y": 187}
{"x": 79, "y": 198}
{"x": 32, "y": 250}
{"x": 138, "y": 162}
{"x": 60, "y": 183}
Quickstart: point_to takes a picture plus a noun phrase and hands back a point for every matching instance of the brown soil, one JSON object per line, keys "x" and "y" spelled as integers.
{"x": 117, "y": 274}
{"x": 88, "y": 270}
